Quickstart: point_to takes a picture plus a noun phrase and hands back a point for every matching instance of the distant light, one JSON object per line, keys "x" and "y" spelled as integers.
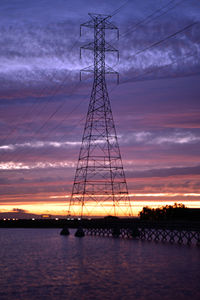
{"x": 4, "y": 219}
{"x": 33, "y": 219}
{"x": 46, "y": 216}
{"x": 13, "y": 219}
{"x": 79, "y": 219}
{"x": 8, "y": 219}
{"x": 68, "y": 218}
{"x": 56, "y": 219}
{"x": 72, "y": 218}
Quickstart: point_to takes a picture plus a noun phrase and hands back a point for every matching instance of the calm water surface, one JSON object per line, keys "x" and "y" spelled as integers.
{"x": 41, "y": 264}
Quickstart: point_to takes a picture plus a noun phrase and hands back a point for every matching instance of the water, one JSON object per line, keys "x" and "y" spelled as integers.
{"x": 41, "y": 264}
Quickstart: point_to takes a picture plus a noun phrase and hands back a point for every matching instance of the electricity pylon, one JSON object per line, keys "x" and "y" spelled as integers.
{"x": 100, "y": 186}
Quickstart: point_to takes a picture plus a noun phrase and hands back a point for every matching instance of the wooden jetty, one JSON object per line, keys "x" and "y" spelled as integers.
{"x": 181, "y": 232}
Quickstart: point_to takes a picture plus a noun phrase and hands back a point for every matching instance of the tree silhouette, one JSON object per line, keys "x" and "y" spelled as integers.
{"x": 167, "y": 212}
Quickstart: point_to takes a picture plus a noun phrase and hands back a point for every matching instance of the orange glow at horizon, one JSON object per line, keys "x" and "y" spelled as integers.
{"x": 61, "y": 208}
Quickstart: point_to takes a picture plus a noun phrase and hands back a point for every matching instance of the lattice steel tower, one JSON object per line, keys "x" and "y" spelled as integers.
{"x": 99, "y": 184}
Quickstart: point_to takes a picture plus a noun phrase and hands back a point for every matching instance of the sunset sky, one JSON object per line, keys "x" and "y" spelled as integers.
{"x": 43, "y": 105}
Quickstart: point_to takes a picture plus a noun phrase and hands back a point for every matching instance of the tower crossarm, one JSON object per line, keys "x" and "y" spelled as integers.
{"x": 91, "y": 46}
{"x": 101, "y": 21}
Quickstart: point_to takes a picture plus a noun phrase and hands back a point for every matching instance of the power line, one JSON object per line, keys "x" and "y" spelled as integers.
{"x": 163, "y": 40}
{"x": 132, "y": 79}
{"x": 61, "y": 105}
{"x": 45, "y": 104}
{"x": 155, "y": 44}
{"x": 123, "y": 82}
{"x": 78, "y": 123}
{"x": 75, "y": 43}
{"x": 152, "y": 19}
{"x": 162, "y": 67}
{"x": 149, "y": 19}
{"x": 24, "y": 151}
{"x": 136, "y": 77}
{"x": 55, "y": 111}
{"x": 17, "y": 137}
{"x": 188, "y": 55}
{"x": 166, "y": 38}
{"x": 38, "y": 97}
{"x": 49, "y": 118}
{"x": 116, "y": 11}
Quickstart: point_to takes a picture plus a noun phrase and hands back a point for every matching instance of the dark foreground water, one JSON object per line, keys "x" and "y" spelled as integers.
{"x": 41, "y": 264}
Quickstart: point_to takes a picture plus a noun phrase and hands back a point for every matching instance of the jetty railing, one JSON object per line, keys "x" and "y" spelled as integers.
{"x": 181, "y": 232}
{"x": 173, "y": 232}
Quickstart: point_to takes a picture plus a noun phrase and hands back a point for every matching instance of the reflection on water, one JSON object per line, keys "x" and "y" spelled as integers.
{"x": 41, "y": 264}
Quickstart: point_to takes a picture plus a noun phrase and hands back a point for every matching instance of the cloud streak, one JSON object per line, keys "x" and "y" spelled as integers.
{"x": 40, "y": 144}
{"x": 35, "y": 165}
{"x": 165, "y": 137}
{"x": 144, "y": 137}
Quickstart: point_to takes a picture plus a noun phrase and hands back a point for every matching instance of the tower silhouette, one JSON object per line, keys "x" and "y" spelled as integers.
{"x": 100, "y": 186}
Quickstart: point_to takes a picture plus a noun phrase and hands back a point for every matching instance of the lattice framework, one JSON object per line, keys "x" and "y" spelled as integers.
{"x": 99, "y": 184}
